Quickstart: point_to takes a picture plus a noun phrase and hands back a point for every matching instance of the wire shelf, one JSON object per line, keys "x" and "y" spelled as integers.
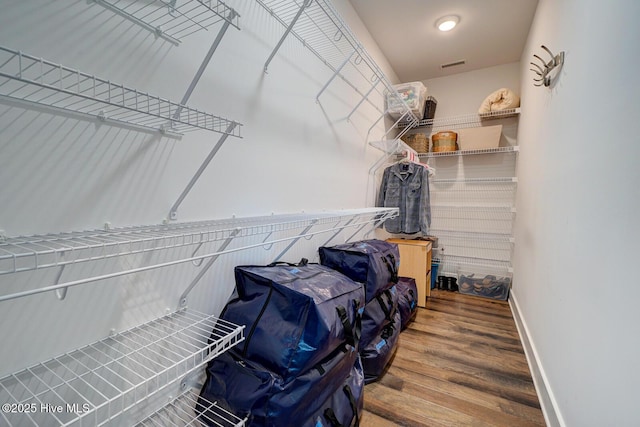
{"x": 473, "y": 219}
{"x": 509, "y": 149}
{"x": 101, "y": 381}
{"x": 472, "y": 236}
{"x": 321, "y": 29}
{"x": 473, "y": 191}
{"x": 189, "y": 409}
{"x": 462, "y": 121}
{"x": 496, "y": 247}
{"x": 453, "y": 265}
{"x": 29, "y": 253}
{"x": 173, "y": 20}
{"x": 506, "y": 209}
{"x": 32, "y": 80}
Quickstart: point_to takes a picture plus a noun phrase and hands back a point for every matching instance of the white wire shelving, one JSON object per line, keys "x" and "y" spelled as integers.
{"x": 473, "y": 218}
{"x": 462, "y": 121}
{"x": 508, "y": 149}
{"x": 173, "y": 20}
{"x": 96, "y": 384}
{"x": 190, "y": 409}
{"x": 452, "y": 265}
{"x": 28, "y": 253}
{"x": 495, "y": 247}
{"x": 473, "y": 191}
{"x": 322, "y": 30}
{"x": 26, "y": 79}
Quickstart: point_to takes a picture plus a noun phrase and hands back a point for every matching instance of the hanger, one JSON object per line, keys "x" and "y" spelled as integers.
{"x": 410, "y": 157}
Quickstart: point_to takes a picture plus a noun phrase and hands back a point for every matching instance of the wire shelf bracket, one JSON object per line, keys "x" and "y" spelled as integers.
{"x": 304, "y": 5}
{"x": 295, "y": 240}
{"x": 173, "y": 212}
{"x": 207, "y": 266}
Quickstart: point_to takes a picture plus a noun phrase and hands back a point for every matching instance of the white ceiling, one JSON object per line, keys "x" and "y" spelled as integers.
{"x": 490, "y": 32}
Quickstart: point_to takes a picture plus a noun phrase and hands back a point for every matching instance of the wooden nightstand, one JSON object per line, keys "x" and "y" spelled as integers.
{"x": 415, "y": 262}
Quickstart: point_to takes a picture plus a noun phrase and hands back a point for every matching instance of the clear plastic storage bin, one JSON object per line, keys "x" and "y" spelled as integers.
{"x": 414, "y": 94}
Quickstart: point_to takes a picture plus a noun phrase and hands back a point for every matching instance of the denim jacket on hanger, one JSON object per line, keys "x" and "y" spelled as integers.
{"x": 405, "y": 185}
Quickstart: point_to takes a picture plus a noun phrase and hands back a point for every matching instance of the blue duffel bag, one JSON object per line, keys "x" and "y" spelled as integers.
{"x": 295, "y": 315}
{"x": 407, "y": 300}
{"x": 377, "y": 314}
{"x": 372, "y": 262}
{"x": 246, "y": 388}
{"x": 379, "y": 352}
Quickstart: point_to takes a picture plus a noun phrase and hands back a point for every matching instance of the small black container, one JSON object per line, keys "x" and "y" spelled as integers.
{"x": 452, "y": 284}
{"x": 430, "y": 108}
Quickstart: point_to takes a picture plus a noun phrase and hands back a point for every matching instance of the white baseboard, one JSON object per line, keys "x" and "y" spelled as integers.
{"x": 550, "y": 410}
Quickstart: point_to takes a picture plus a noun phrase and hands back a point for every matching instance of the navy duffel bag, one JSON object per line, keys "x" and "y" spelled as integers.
{"x": 407, "y": 300}
{"x": 295, "y": 316}
{"x": 379, "y": 352}
{"x": 377, "y": 314}
{"x": 246, "y": 388}
{"x": 372, "y": 262}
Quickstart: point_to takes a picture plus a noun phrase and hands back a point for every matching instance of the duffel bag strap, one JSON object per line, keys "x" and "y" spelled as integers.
{"x": 386, "y": 309}
{"x": 348, "y": 330}
{"x": 394, "y": 268}
{"x": 355, "y": 419}
{"x": 331, "y": 416}
{"x": 387, "y": 331}
{"x": 354, "y": 407}
{"x": 303, "y": 263}
{"x": 391, "y": 267}
{"x": 357, "y": 330}
{"x": 413, "y": 299}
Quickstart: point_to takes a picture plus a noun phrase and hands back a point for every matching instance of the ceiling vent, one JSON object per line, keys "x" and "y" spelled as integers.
{"x": 453, "y": 64}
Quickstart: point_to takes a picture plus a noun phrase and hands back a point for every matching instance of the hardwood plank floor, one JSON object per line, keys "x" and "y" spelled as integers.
{"x": 460, "y": 363}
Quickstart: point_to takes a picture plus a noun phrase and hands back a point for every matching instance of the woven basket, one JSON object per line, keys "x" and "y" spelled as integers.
{"x": 445, "y": 141}
{"x": 417, "y": 141}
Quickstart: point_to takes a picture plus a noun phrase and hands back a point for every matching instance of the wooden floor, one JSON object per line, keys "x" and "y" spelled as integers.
{"x": 460, "y": 363}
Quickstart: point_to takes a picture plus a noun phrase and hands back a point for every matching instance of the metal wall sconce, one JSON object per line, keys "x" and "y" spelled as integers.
{"x": 543, "y": 73}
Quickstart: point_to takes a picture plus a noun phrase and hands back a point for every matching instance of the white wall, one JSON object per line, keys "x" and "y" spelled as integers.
{"x": 463, "y": 93}
{"x": 578, "y": 197}
{"x": 60, "y": 173}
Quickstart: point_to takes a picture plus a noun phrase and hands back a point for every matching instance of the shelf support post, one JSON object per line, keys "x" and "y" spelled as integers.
{"x": 205, "y": 62}
{"x": 61, "y": 293}
{"x": 364, "y": 98}
{"x": 357, "y": 231}
{"x": 335, "y": 74}
{"x": 340, "y": 230}
{"x": 173, "y": 212}
{"x": 378, "y": 223}
{"x": 306, "y": 4}
{"x": 207, "y": 266}
{"x": 294, "y": 241}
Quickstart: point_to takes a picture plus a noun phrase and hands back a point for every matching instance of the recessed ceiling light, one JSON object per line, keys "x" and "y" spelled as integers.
{"x": 447, "y": 23}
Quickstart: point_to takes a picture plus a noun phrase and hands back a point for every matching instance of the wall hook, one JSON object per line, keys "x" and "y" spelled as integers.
{"x": 543, "y": 73}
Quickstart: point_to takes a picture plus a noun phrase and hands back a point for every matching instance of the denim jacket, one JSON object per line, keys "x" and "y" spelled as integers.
{"x": 406, "y": 186}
